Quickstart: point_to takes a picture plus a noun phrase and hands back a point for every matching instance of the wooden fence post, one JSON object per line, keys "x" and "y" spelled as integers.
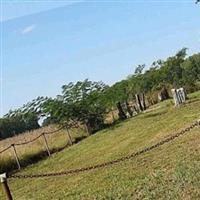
{"x": 16, "y": 156}
{"x": 69, "y": 136}
{"x": 46, "y": 144}
{"x": 3, "y": 180}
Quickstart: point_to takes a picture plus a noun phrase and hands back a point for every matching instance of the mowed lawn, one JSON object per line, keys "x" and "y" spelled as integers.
{"x": 171, "y": 171}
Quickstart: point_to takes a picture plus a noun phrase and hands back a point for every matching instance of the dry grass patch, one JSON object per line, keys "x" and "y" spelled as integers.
{"x": 35, "y": 150}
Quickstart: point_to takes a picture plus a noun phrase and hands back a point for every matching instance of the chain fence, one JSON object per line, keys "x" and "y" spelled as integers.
{"x": 7, "y": 148}
{"x": 68, "y": 126}
{"x": 34, "y": 139}
{"x": 109, "y": 163}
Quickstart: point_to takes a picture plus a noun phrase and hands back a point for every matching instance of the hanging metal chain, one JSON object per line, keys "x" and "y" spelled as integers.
{"x": 30, "y": 141}
{"x": 109, "y": 163}
{"x": 5, "y": 149}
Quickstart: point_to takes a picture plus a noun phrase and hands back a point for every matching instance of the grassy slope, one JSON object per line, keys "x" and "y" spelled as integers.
{"x": 169, "y": 172}
{"x": 35, "y": 150}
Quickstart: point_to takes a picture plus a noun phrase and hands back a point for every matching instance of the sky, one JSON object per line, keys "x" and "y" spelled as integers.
{"x": 46, "y": 44}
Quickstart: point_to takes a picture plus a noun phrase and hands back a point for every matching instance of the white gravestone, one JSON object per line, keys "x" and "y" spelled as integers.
{"x": 179, "y": 96}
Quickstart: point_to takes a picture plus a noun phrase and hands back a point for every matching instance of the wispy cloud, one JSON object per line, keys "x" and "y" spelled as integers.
{"x": 28, "y": 29}
{"x": 12, "y": 9}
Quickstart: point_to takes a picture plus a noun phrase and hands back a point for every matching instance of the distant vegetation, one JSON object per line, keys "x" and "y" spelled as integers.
{"x": 15, "y": 124}
{"x": 87, "y": 102}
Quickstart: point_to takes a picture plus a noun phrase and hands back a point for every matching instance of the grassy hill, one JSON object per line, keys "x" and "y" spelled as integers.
{"x": 34, "y": 151}
{"x": 171, "y": 171}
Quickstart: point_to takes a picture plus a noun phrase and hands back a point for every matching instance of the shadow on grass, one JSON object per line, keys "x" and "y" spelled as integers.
{"x": 150, "y": 115}
{"x": 193, "y": 100}
{"x": 114, "y": 125}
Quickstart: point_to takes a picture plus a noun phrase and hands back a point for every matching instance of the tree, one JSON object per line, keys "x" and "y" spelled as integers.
{"x": 16, "y": 122}
{"x": 139, "y": 69}
{"x": 191, "y": 71}
{"x": 85, "y": 101}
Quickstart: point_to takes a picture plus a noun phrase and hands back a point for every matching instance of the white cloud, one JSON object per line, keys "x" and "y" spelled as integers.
{"x": 28, "y": 29}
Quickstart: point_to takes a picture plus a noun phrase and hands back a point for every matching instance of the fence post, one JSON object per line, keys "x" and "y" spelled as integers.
{"x": 16, "y": 156}
{"x": 69, "y": 136}
{"x": 46, "y": 144}
{"x": 3, "y": 180}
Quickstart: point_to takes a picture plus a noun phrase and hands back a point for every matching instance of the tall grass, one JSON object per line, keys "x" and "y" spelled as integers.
{"x": 34, "y": 151}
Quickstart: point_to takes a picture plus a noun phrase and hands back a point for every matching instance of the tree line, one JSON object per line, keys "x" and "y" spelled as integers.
{"x": 88, "y": 102}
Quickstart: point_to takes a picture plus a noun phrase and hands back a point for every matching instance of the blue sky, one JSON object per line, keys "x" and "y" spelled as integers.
{"x": 46, "y": 44}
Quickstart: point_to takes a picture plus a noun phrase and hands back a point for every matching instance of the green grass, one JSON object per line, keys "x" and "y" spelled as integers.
{"x": 171, "y": 171}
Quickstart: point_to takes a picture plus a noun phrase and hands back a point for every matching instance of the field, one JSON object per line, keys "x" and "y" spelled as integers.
{"x": 36, "y": 150}
{"x": 171, "y": 171}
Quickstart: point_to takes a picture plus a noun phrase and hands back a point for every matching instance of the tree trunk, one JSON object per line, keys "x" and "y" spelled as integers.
{"x": 138, "y": 102}
{"x": 135, "y": 109}
{"x": 113, "y": 115}
{"x": 129, "y": 109}
{"x": 88, "y": 128}
{"x": 143, "y": 101}
{"x": 122, "y": 115}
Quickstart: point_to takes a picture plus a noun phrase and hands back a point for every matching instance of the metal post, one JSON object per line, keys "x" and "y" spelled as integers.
{"x": 46, "y": 144}
{"x": 16, "y": 156}
{"x": 69, "y": 136}
{"x": 3, "y": 180}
